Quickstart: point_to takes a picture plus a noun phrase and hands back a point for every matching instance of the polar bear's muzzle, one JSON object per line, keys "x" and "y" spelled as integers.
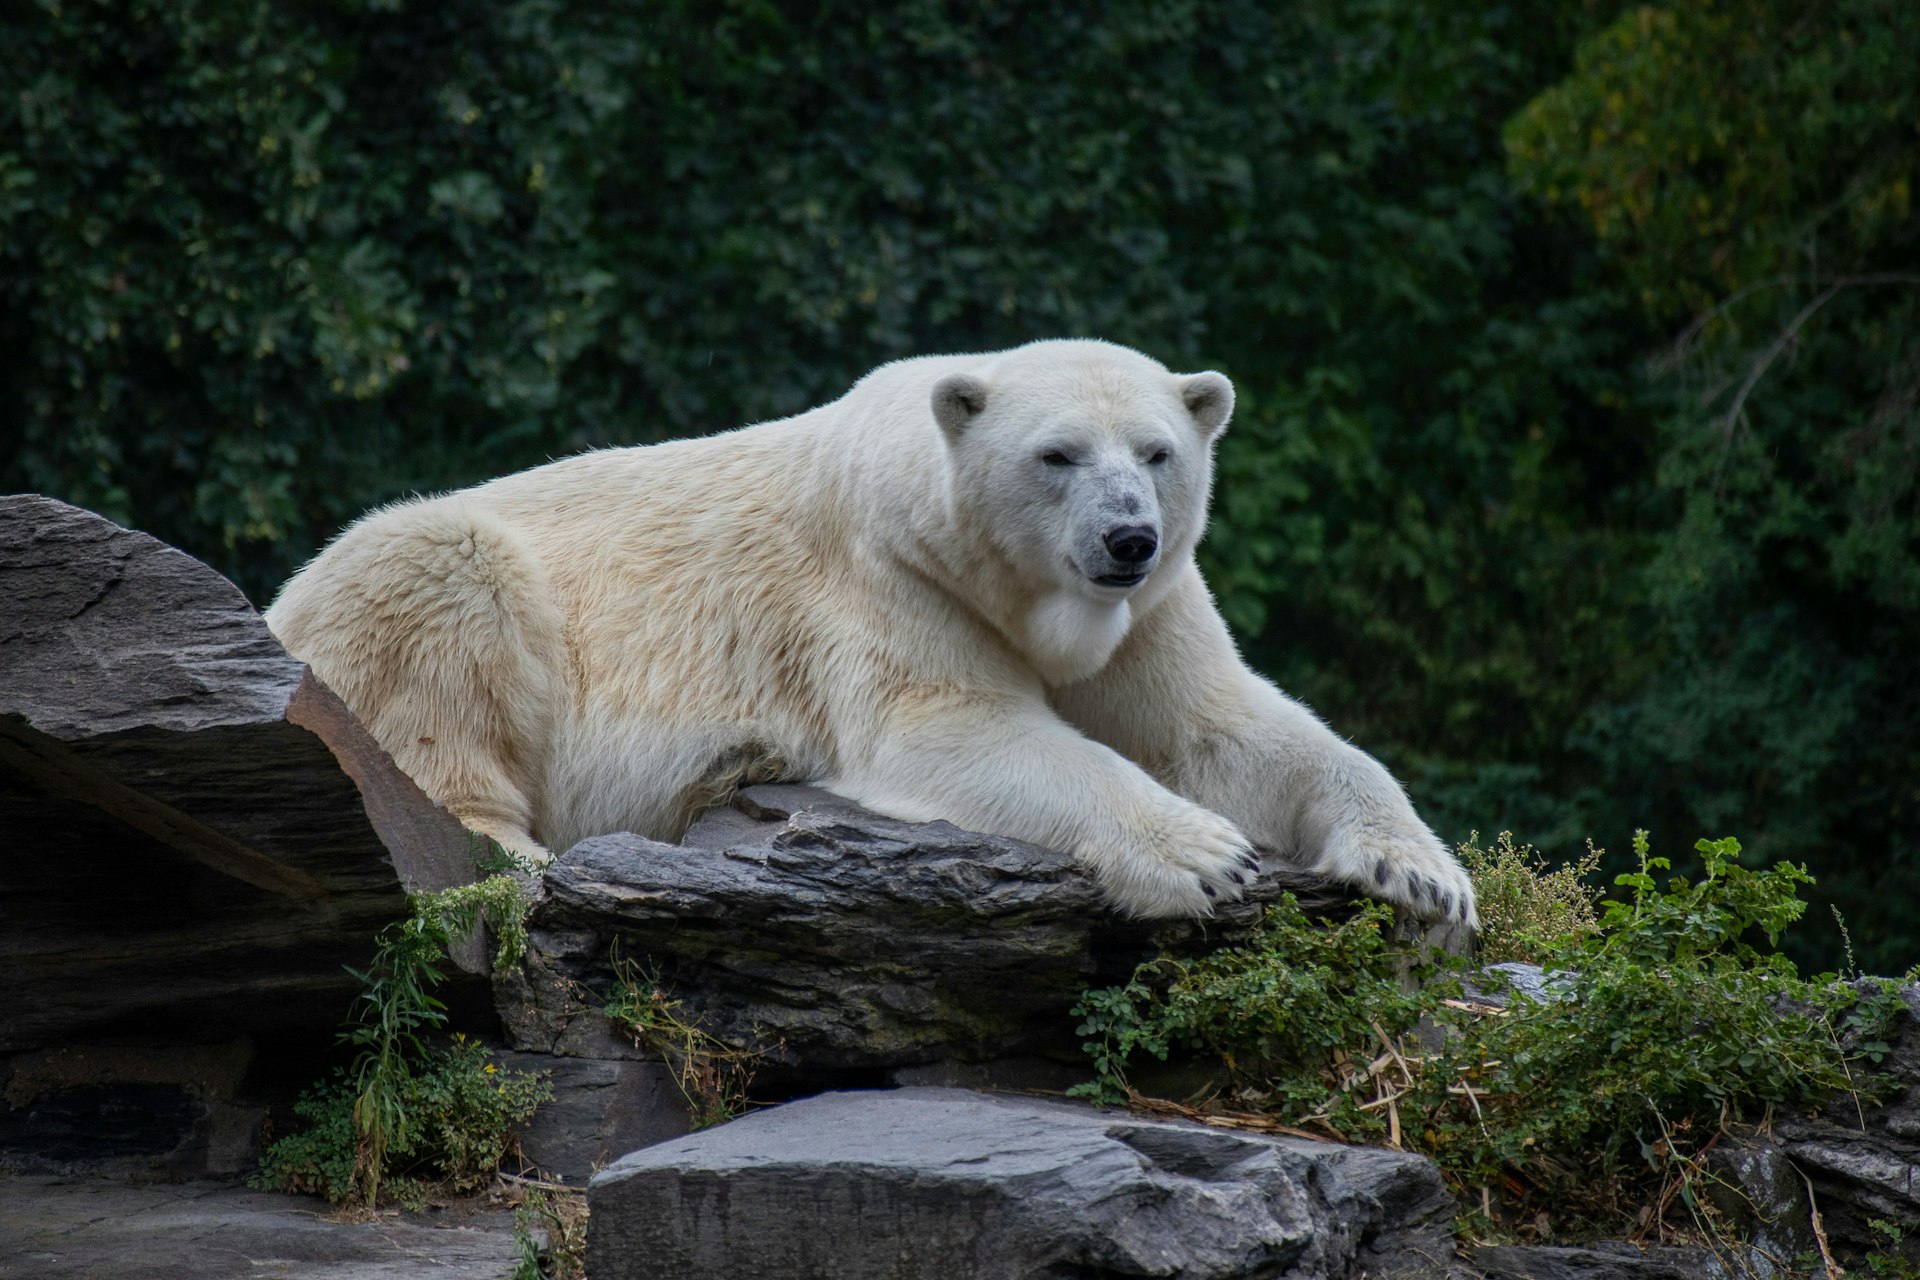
{"x": 1132, "y": 549}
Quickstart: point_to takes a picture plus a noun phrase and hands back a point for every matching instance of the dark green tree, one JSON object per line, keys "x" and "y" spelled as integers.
{"x": 1748, "y": 169}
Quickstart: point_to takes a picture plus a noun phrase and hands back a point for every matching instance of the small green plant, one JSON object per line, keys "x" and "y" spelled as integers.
{"x": 1528, "y": 910}
{"x": 1669, "y": 1013}
{"x": 1282, "y": 1011}
{"x": 456, "y": 1112}
{"x": 1894, "y": 1265}
{"x": 557, "y": 1215}
{"x": 713, "y": 1075}
{"x": 439, "y": 1113}
{"x": 1669, "y": 1017}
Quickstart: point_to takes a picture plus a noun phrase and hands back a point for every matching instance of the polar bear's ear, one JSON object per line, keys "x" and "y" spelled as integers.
{"x": 957, "y": 400}
{"x": 1209, "y": 398}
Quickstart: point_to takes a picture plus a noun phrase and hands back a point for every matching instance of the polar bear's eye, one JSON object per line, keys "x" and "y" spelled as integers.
{"x": 1055, "y": 458}
{"x": 1159, "y": 456}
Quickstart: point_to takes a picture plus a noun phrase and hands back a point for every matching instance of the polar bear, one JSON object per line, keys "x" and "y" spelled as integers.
{"x": 964, "y": 590}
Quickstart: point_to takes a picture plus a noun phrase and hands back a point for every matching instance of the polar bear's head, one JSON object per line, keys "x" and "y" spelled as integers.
{"x": 1087, "y": 466}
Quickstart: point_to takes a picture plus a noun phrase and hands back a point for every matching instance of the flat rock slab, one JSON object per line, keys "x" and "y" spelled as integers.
{"x": 831, "y": 938}
{"x": 940, "y": 1183}
{"x": 55, "y": 1229}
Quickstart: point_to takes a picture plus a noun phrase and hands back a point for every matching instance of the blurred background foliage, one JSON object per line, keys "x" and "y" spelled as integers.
{"x": 1577, "y": 345}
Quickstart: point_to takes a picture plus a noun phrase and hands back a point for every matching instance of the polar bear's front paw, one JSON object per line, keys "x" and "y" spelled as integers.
{"x": 1180, "y": 862}
{"x": 1410, "y": 869}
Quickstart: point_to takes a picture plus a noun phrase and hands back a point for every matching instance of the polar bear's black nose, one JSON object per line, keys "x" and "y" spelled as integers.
{"x": 1133, "y": 543}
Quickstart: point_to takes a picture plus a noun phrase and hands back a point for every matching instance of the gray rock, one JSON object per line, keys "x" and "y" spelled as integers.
{"x": 1863, "y": 1159}
{"x": 941, "y": 1183}
{"x": 600, "y": 1110}
{"x": 833, "y": 938}
{"x": 60, "y": 1229}
{"x": 204, "y": 836}
{"x": 1756, "y": 1188}
{"x": 1009, "y": 1075}
{"x": 135, "y": 1109}
{"x": 1499, "y": 984}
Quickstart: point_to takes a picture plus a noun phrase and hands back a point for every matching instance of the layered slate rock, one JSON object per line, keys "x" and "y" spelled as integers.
{"x": 831, "y": 938}
{"x": 201, "y": 835}
{"x": 1757, "y": 1190}
{"x": 940, "y": 1183}
{"x": 1862, "y": 1156}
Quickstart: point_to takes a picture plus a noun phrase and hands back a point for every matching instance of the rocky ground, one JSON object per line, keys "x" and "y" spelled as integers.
{"x": 100, "y": 1229}
{"x": 203, "y": 837}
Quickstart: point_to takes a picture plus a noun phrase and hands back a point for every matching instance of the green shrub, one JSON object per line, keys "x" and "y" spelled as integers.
{"x": 1668, "y": 1018}
{"x": 1279, "y": 1011}
{"x": 1529, "y": 911}
{"x": 460, "y": 1112}
{"x": 1668, "y": 1015}
{"x": 429, "y": 1116}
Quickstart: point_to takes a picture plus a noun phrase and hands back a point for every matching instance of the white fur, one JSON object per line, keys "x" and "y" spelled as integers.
{"x": 892, "y": 595}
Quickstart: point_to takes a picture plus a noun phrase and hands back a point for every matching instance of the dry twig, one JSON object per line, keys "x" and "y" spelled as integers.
{"x": 1250, "y": 1121}
{"x": 1834, "y": 1270}
{"x": 541, "y": 1184}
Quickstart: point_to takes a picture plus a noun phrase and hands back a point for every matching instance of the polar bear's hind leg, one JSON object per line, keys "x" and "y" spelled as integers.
{"x": 436, "y": 624}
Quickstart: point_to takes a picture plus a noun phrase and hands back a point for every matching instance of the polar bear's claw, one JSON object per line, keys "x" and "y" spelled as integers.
{"x": 1181, "y": 863}
{"x": 1410, "y": 869}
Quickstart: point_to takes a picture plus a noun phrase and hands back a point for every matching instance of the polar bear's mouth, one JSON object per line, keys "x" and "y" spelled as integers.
{"x": 1122, "y": 579}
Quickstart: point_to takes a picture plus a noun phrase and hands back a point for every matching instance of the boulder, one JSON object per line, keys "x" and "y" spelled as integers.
{"x": 832, "y": 939}
{"x": 203, "y": 836}
{"x": 939, "y": 1183}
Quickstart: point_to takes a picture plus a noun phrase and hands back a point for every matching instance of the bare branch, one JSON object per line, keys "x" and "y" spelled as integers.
{"x": 1677, "y": 350}
{"x": 1758, "y": 369}
{"x": 1787, "y": 337}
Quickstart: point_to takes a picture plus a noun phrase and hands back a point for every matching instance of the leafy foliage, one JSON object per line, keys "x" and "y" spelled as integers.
{"x": 1276, "y": 1007}
{"x": 1748, "y": 169}
{"x": 1654, "y": 1029}
{"x": 1713, "y": 146}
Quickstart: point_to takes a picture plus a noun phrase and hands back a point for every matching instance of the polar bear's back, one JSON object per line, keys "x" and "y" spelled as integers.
{"x": 609, "y": 629}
